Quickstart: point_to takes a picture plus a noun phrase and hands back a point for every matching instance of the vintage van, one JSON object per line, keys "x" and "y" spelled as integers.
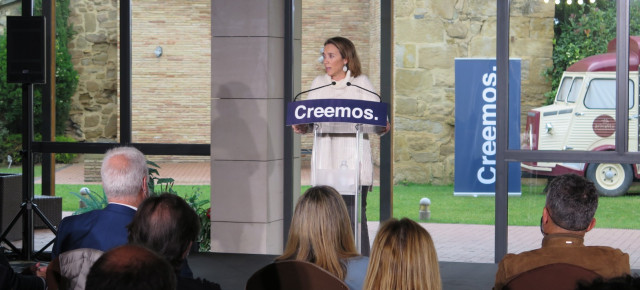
{"x": 582, "y": 117}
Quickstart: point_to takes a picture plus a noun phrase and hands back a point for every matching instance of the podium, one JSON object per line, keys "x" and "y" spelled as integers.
{"x": 339, "y": 127}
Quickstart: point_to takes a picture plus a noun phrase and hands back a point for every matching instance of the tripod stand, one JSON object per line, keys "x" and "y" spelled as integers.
{"x": 27, "y": 207}
{"x": 27, "y": 235}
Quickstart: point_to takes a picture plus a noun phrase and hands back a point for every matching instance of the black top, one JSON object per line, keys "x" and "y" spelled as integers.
{"x": 9, "y": 279}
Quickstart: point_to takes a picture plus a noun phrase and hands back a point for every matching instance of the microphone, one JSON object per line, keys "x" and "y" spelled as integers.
{"x": 320, "y": 87}
{"x": 357, "y": 86}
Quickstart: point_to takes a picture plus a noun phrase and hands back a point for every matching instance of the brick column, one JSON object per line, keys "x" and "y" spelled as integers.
{"x": 247, "y": 126}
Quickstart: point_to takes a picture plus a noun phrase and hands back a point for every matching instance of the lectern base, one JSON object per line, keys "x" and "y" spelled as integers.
{"x": 364, "y": 229}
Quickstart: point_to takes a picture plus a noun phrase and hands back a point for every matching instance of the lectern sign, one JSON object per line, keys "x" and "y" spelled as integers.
{"x": 337, "y": 110}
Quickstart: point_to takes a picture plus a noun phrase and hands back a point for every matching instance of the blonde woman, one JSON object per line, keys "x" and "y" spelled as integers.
{"x": 320, "y": 233}
{"x": 403, "y": 257}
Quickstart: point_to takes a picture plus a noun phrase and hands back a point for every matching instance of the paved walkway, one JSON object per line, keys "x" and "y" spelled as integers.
{"x": 454, "y": 242}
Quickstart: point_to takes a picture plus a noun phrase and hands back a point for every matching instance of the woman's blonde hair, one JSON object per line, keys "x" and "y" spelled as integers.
{"x": 348, "y": 51}
{"x": 403, "y": 257}
{"x": 320, "y": 231}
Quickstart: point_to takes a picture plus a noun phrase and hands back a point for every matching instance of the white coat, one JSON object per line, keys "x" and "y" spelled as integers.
{"x": 334, "y": 150}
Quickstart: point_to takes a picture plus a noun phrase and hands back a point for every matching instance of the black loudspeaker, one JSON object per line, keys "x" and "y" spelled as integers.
{"x": 26, "y": 57}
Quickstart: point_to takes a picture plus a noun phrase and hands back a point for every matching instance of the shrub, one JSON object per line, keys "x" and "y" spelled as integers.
{"x": 12, "y": 145}
{"x": 65, "y": 158}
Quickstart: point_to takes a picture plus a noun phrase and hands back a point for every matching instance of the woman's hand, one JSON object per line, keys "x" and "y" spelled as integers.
{"x": 300, "y": 128}
{"x": 385, "y": 130}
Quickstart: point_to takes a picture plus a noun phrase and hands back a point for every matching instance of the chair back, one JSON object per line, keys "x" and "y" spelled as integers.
{"x": 293, "y": 274}
{"x": 73, "y": 267}
{"x": 558, "y": 276}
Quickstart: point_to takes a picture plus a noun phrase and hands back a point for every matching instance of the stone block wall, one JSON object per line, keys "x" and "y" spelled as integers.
{"x": 428, "y": 36}
{"x": 94, "y": 53}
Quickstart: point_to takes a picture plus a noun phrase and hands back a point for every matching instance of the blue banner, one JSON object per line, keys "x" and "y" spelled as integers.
{"x": 337, "y": 110}
{"x": 475, "y": 133}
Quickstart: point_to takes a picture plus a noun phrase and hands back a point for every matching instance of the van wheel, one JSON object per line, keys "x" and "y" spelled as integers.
{"x": 610, "y": 179}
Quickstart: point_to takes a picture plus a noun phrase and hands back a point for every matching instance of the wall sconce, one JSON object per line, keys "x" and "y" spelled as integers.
{"x": 158, "y": 51}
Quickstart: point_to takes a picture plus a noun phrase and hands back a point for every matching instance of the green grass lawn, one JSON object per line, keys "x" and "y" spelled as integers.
{"x": 524, "y": 210}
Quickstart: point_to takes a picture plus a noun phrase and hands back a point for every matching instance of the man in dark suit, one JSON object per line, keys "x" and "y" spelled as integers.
{"x": 124, "y": 181}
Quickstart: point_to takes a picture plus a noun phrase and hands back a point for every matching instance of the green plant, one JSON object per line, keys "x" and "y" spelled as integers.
{"x": 586, "y": 31}
{"x": 91, "y": 199}
{"x": 12, "y": 145}
{"x": 202, "y": 208}
{"x": 156, "y": 184}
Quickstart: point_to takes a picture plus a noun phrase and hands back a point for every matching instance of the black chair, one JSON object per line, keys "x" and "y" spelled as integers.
{"x": 559, "y": 276}
{"x": 290, "y": 275}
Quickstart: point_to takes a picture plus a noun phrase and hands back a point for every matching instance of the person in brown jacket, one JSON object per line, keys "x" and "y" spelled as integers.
{"x": 567, "y": 216}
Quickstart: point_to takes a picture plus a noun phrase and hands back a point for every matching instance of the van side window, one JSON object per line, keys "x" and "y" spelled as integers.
{"x": 563, "y": 91}
{"x": 601, "y": 94}
{"x": 575, "y": 90}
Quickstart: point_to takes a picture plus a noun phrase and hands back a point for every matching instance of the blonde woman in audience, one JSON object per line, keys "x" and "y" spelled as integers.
{"x": 403, "y": 257}
{"x": 320, "y": 233}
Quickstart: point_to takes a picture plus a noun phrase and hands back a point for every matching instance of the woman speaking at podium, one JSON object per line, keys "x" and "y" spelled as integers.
{"x": 344, "y": 74}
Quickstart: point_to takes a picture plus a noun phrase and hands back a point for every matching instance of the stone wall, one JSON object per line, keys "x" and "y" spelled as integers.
{"x": 428, "y": 36}
{"x": 94, "y": 53}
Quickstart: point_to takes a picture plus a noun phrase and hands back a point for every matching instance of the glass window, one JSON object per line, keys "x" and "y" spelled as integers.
{"x": 565, "y": 87}
{"x": 575, "y": 90}
{"x": 601, "y": 94}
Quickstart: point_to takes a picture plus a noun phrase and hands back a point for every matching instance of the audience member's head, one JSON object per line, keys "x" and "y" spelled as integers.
{"x": 571, "y": 205}
{"x": 124, "y": 175}
{"x": 627, "y": 282}
{"x": 131, "y": 267}
{"x": 320, "y": 231}
{"x": 167, "y": 225}
{"x": 403, "y": 257}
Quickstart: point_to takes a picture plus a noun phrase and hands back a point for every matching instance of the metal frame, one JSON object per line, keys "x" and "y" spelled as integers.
{"x": 288, "y": 159}
{"x": 386, "y": 91}
{"x": 504, "y": 156}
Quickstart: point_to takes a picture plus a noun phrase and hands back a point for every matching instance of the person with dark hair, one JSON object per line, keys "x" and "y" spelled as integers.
{"x": 131, "y": 267}
{"x": 320, "y": 233}
{"x": 169, "y": 226}
{"x": 124, "y": 175}
{"x": 567, "y": 216}
{"x": 342, "y": 66}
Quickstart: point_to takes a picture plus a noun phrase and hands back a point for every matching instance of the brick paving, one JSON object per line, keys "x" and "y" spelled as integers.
{"x": 454, "y": 242}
